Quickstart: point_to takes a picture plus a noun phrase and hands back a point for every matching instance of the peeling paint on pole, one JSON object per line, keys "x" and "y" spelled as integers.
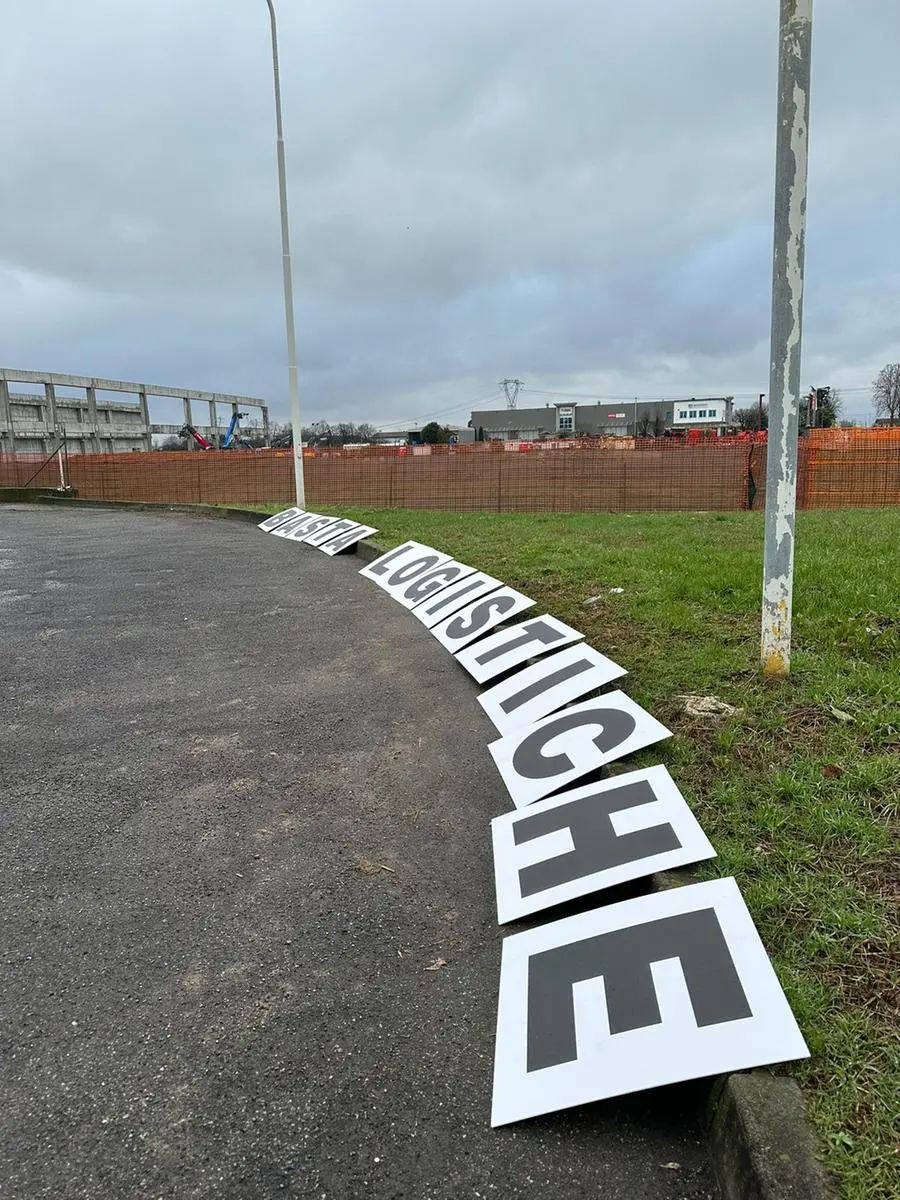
{"x": 787, "y": 323}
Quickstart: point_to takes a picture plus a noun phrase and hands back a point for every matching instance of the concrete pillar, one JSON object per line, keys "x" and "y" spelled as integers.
{"x": 187, "y": 420}
{"x": 93, "y": 419}
{"x": 6, "y": 420}
{"x": 50, "y": 394}
{"x": 213, "y": 422}
{"x": 265, "y": 422}
{"x": 145, "y": 417}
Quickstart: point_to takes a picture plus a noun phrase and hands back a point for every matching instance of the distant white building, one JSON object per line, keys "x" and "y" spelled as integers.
{"x": 703, "y": 414}
{"x": 641, "y": 418}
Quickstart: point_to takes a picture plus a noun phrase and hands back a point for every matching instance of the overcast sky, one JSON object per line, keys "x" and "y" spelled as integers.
{"x": 578, "y": 194}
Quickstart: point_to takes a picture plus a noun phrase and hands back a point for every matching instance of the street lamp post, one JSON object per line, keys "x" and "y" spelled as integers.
{"x": 293, "y": 385}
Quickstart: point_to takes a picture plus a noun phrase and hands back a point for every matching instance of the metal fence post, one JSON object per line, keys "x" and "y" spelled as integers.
{"x": 795, "y": 41}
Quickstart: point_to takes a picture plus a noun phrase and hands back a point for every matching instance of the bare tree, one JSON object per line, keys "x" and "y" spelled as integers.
{"x": 281, "y": 436}
{"x": 323, "y": 433}
{"x": 748, "y": 419}
{"x": 886, "y": 393}
{"x": 833, "y": 408}
{"x": 172, "y": 442}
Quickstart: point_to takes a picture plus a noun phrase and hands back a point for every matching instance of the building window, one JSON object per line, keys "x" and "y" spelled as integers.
{"x": 682, "y": 414}
{"x": 566, "y": 422}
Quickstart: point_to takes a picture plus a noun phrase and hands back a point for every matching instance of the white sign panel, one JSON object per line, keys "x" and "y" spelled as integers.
{"x": 592, "y": 838}
{"x": 271, "y": 523}
{"x": 431, "y": 583}
{"x": 667, "y": 987}
{"x": 451, "y": 599}
{"x": 403, "y": 565}
{"x": 318, "y": 536}
{"x": 335, "y": 545}
{"x": 511, "y": 647}
{"x": 310, "y": 524}
{"x": 556, "y": 751}
{"x": 475, "y": 619}
{"x": 297, "y": 525}
{"x": 546, "y": 686}
{"x": 375, "y": 569}
{"x": 286, "y": 528}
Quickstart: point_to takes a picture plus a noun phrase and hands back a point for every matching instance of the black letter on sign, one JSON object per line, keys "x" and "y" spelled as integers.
{"x": 533, "y": 631}
{"x": 455, "y": 595}
{"x": 380, "y": 566}
{"x": 434, "y": 581}
{"x": 623, "y": 958}
{"x": 411, "y": 569}
{"x": 597, "y": 845}
{"x": 480, "y": 615}
{"x": 543, "y": 685}
{"x": 529, "y": 762}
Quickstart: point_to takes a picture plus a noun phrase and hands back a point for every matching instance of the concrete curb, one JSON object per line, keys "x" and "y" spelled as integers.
{"x": 760, "y": 1143}
{"x": 369, "y": 551}
{"x": 762, "y": 1147}
{"x": 197, "y": 510}
{"x": 26, "y": 495}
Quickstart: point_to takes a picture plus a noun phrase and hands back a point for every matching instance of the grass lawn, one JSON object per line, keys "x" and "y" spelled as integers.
{"x": 799, "y": 792}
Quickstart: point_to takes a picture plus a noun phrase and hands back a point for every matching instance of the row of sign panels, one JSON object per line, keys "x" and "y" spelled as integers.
{"x": 329, "y": 534}
{"x": 668, "y": 987}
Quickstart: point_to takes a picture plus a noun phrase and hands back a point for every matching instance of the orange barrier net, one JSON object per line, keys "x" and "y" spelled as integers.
{"x": 837, "y": 468}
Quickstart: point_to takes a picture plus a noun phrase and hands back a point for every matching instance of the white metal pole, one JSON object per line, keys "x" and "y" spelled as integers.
{"x": 795, "y": 42}
{"x": 293, "y": 385}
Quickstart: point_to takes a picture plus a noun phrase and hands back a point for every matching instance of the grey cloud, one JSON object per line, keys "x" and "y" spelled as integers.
{"x": 577, "y": 194}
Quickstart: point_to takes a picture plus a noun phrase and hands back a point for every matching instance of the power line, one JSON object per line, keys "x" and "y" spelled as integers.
{"x": 469, "y": 404}
{"x": 631, "y": 397}
{"x": 674, "y": 399}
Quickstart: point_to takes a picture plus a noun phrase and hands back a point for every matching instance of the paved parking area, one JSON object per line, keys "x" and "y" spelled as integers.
{"x": 245, "y": 806}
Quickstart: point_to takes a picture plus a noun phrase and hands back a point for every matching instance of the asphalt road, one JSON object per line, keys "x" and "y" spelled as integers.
{"x": 245, "y": 806}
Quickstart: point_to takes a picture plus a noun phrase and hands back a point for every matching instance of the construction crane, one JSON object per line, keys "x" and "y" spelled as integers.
{"x": 233, "y": 432}
{"x": 231, "y": 440}
{"x": 190, "y": 431}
